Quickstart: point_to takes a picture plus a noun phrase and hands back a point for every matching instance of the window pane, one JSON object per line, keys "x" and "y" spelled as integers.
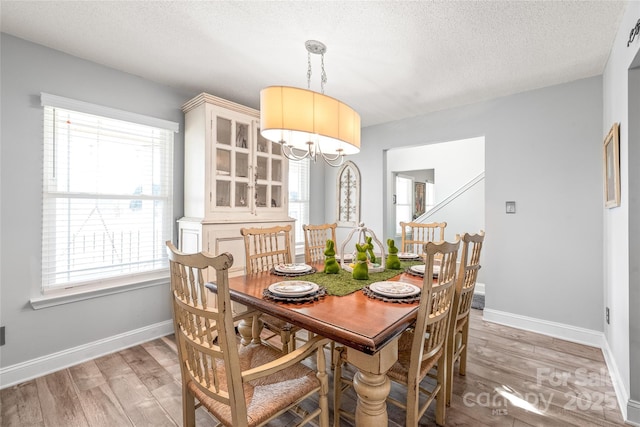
{"x": 107, "y": 200}
{"x": 404, "y": 201}
{"x": 299, "y": 196}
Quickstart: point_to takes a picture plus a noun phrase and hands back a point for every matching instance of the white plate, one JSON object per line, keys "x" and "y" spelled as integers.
{"x": 394, "y": 289}
{"x": 408, "y": 255}
{"x": 292, "y": 268}
{"x": 293, "y": 288}
{"x": 420, "y": 269}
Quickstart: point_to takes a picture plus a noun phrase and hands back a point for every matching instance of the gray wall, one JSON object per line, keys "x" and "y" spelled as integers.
{"x": 621, "y": 275}
{"x": 543, "y": 150}
{"x": 27, "y": 70}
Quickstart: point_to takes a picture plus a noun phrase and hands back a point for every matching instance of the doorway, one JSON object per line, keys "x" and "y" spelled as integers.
{"x": 450, "y": 167}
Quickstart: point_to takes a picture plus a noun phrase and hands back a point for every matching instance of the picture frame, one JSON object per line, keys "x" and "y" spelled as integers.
{"x": 419, "y": 199}
{"x": 611, "y": 167}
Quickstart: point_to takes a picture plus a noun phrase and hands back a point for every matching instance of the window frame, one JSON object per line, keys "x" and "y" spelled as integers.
{"x": 41, "y": 296}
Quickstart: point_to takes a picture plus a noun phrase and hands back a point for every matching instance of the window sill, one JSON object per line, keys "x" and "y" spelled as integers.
{"x": 67, "y": 296}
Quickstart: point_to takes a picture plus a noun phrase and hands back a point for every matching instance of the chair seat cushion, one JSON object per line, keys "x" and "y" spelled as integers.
{"x": 267, "y": 396}
{"x": 400, "y": 370}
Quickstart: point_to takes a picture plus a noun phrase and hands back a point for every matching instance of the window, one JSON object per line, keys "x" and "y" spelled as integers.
{"x": 404, "y": 201}
{"x": 299, "y": 197}
{"x": 107, "y": 195}
{"x": 430, "y": 196}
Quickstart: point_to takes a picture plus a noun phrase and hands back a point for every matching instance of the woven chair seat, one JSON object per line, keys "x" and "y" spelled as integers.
{"x": 400, "y": 370}
{"x": 267, "y": 396}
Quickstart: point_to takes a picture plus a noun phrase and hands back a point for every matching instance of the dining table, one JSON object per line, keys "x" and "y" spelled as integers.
{"x": 367, "y": 327}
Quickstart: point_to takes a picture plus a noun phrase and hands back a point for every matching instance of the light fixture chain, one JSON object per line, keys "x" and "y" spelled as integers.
{"x": 309, "y": 70}
{"x": 323, "y": 76}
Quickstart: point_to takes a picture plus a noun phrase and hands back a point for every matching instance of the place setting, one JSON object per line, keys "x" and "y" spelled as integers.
{"x": 292, "y": 270}
{"x": 408, "y": 256}
{"x": 294, "y": 291}
{"x": 392, "y": 291}
{"x": 418, "y": 270}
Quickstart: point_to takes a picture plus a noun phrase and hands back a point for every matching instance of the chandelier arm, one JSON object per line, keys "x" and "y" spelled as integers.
{"x": 334, "y": 163}
{"x": 326, "y": 156}
{"x": 331, "y": 161}
{"x": 288, "y": 152}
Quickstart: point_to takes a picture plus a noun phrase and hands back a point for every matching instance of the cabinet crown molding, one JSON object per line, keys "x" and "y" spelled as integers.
{"x": 206, "y": 98}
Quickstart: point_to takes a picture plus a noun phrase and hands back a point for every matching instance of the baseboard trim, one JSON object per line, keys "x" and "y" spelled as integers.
{"x": 630, "y": 413}
{"x": 545, "y": 327}
{"x": 618, "y": 384}
{"x": 25, "y": 371}
{"x": 633, "y": 412}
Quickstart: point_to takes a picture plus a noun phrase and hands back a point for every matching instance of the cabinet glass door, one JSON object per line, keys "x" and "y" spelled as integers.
{"x": 269, "y": 174}
{"x": 232, "y": 150}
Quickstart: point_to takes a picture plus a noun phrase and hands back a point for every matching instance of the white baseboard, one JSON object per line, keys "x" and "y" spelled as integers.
{"x": 24, "y": 371}
{"x": 577, "y": 335}
{"x": 633, "y": 412}
{"x": 618, "y": 385}
{"x": 545, "y": 327}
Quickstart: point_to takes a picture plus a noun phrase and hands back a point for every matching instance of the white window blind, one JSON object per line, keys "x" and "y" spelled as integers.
{"x": 299, "y": 196}
{"x": 107, "y": 197}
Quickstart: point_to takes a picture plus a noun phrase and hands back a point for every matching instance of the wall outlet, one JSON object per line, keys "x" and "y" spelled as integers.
{"x": 1, "y": 335}
{"x": 606, "y": 314}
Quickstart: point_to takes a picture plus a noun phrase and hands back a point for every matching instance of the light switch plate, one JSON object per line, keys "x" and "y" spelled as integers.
{"x": 510, "y": 207}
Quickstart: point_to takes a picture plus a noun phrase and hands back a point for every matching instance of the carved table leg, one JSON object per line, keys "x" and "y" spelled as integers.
{"x": 372, "y": 385}
{"x": 372, "y": 390}
{"x": 250, "y": 329}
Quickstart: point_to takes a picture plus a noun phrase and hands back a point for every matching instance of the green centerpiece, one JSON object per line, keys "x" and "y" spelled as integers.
{"x": 331, "y": 266}
{"x": 343, "y": 283}
{"x": 392, "y": 262}
{"x": 361, "y": 269}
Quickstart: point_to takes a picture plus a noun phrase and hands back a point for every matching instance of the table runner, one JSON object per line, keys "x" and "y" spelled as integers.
{"x": 343, "y": 283}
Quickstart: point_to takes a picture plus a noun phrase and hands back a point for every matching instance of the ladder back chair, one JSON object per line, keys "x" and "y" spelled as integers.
{"x": 416, "y": 234}
{"x": 239, "y": 385}
{"x": 264, "y": 249}
{"x": 315, "y": 241}
{"x": 422, "y": 347}
{"x": 463, "y": 297}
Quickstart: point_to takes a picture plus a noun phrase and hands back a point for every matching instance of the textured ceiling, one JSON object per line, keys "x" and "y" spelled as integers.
{"x": 387, "y": 59}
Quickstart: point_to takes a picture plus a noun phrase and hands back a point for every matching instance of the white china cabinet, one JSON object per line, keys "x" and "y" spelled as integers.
{"x": 233, "y": 178}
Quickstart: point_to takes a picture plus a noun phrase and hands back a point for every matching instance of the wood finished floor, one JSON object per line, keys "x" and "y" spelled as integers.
{"x": 514, "y": 378}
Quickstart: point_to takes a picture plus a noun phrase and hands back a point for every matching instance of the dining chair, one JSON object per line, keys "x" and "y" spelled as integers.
{"x": 463, "y": 297}
{"x": 422, "y": 347}
{"x": 416, "y": 234}
{"x": 241, "y": 385}
{"x": 264, "y": 249}
{"x": 315, "y": 241}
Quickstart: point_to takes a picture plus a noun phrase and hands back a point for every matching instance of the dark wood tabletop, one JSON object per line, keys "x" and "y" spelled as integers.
{"x": 355, "y": 320}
